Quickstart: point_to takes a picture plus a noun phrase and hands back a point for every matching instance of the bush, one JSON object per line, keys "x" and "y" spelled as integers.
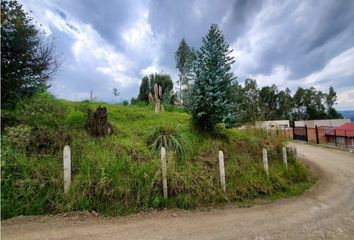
{"x": 41, "y": 110}
{"x": 46, "y": 140}
{"x": 168, "y": 137}
{"x": 19, "y": 136}
{"x": 125, "y": 103}
{"x": 8, "y": 119}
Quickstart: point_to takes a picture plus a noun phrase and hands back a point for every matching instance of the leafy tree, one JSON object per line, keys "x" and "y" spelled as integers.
{"x": 268, "y": 102}
{"x": 250, "y": 101}
{"x": 164, "y": 80}
{"x": 238, "y": 96}
{"x": 299, "y": 102}
{"x": 285, "y": 104}
{"x": 331, "y": 99}
{"x": 309, "y": 104}
{"x": 144, "y": 90}
{"x": 27, "y": 58}
{"x": 185, "y": 57}
{"x": 211, "y": 96}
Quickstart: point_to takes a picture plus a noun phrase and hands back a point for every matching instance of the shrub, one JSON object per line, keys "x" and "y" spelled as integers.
{"x": 41, "y": 110}
{"x": 19, "y": 136}
{"x": 8, "y": 118}
{"x": 45, "y": 140}
{"x": 168, "y": 137}
{"x": 125, "y": 103}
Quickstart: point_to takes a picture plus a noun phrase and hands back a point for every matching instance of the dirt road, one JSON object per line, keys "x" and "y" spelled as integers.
{"x": 326, "y": 211}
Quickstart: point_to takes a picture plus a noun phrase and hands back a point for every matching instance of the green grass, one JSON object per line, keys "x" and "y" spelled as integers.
{"x": 120, "y": 174}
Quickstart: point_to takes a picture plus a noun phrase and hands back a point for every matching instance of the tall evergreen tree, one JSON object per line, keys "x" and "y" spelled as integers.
{"x": 211, "y": 100}
{"x": 27, "y": 58}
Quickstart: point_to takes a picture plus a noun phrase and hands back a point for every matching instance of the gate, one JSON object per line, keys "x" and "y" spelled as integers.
{"x": 300, "y": 133}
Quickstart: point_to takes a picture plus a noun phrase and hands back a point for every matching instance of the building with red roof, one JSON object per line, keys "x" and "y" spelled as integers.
{"x": 342, "y": 135}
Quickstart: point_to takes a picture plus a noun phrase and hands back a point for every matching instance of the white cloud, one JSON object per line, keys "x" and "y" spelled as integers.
{"x": 338, "y": 67}
{"x": 149, "y": 70}
{"x": 346, "y": 100}
{"x": 279, "y": 76}
{"x": 89, "y": 48}
{"x": 139, "y": 33}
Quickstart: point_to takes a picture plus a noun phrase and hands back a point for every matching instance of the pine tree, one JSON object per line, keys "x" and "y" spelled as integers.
{"x": 211, "y": 100}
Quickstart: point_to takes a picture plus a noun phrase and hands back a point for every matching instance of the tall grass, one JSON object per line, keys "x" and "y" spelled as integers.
{"x": 120, "y": 174}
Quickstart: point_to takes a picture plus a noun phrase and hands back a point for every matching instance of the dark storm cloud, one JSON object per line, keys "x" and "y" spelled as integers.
{"x": 108, "y": 18}
{"x": 192, "y": 19}
{"x": 307, "y": 35}
{"x": 281, "y": 42}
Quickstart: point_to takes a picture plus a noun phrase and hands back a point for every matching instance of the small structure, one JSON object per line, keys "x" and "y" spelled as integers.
{"x": 324, "y": 123}
{"x": 342, "y": 135}
{"x": 274, "y": 124}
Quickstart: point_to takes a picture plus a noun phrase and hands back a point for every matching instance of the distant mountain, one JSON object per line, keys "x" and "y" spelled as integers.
{"x": 348, "y": 114}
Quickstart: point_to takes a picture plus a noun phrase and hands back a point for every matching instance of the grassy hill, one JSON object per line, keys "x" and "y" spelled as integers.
{"x": 120, "y": 173}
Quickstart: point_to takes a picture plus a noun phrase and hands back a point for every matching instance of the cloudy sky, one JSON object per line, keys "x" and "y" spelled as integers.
{"x": 113, "y": 44}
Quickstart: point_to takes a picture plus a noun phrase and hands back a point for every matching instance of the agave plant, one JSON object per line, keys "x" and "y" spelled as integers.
{"x": 168, "y": 137}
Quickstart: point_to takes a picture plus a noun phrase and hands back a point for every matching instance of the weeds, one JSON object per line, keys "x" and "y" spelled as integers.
{"x": 120, "y": 173}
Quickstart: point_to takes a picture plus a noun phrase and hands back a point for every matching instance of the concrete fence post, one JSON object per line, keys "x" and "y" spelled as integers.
{"x": 265, "y": 161}
{"x": 222, "y": 171}
{"x": 67, "y": 168}
{"x": 164, "y": 172}
{"x": 285, "y": 157}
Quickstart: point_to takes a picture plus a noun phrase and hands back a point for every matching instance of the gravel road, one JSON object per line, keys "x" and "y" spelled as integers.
{"x": 326, "y": 211}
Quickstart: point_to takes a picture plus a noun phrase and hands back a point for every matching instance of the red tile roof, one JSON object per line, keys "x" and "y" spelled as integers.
{"x": 346, "y": 129}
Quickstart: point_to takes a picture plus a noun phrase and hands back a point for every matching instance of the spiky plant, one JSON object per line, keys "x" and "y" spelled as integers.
{"x": 168, "y": 137}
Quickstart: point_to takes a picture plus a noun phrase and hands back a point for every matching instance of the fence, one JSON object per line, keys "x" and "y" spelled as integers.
{"x": 320, "y": 135}
{"x": 67, "y": 168}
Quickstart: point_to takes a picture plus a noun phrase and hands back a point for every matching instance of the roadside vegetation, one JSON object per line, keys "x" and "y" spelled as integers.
{"x": 115, "y": 148}
{"x": 120, "y": 173}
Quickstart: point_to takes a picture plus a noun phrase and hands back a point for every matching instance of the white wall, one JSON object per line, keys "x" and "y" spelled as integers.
{"x": 322, "y": 123}
{"x": 273, "y": 124}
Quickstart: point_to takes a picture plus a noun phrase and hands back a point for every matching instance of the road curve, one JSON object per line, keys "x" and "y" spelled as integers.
{"x": 326, "y": 211}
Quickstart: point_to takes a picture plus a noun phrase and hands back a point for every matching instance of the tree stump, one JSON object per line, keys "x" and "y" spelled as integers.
{"x": 97, "y": 122}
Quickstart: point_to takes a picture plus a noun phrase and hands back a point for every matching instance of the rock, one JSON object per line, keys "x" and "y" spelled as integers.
{"x": 95, "y": 214}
